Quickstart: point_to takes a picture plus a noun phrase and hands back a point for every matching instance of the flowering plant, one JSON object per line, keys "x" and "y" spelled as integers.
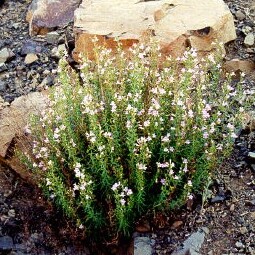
{"x": 133, "y": 134}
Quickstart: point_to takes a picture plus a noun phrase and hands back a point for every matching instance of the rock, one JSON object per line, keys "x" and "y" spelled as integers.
{"x": 251, "y": 155}
{"x": 239, "y": 245}
{"x": 143, "y": 246}
{"x": 232, "y": 208}
{"x": 165, "y": 20}
{"x": 177, "y": 224}
{"x": 13, "y": 120}
{"x": 6, "y": 243}
{"x": 249, "y": 39}
{"x": 3, "y": 67}
{"x": 218, "y": 199}
{"x": 237, "y": 65}
{"x": 30, "y": 46}
{"x": 30, "y": 58}
{"x": 3, "y": 86}
{"x": 59, "y": 51}
{"x": 52, "y": 37}
{"x": 243, "y": 230}
{"x": 6, "y": 54}
{"x": 240, "y": 15}
{"x": 193, "y": 244}
{"x": 45, "y": 15}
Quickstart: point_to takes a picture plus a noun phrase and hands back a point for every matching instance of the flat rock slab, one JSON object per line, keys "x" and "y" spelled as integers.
{"x": 6, "y": 243}
{"x": 175, "y": 23}
{"x": 46, "y": 15}
{"x": 13, "y": 120}
{"x": 193, "y": 244}
{"x": 143, "y": 245}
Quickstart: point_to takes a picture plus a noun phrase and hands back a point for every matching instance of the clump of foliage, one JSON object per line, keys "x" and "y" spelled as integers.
{"x": 135, "y": 134}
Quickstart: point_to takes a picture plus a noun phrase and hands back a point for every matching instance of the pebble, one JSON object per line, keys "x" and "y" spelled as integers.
{"x": 6, "y": 54}
{"x": 177, "y": 224}
{"x": 243, "y": 230}
{"x": 143, "y": 246}
{"x": 3, "y": 86}
{"x": 3, "y": 67}
{"x": 240, "y": 15}
{"x": 239, "y": 245}
{"x": 232, "y": 208}
{"x": 249, "y": 39}
{"x": 251, "y": 154}
{"x": 52, "y": 37}
{"x": 6, "y": 243}
{"x": 30, "y": 58}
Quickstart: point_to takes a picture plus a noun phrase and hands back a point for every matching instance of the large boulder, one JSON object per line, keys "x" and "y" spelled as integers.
{"x": 46, "y": 15}
{"x": 13, "y": 122}
{"x": 175, "y": 23}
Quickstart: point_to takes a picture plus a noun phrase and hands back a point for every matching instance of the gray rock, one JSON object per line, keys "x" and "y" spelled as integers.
{"x": 52, "y": 37}
{"x": 193, "y": 244}
{"x": 6, "y": 243}
{"x": 3, "y": 86}
{"x": 251, "y": 155}
{"x": 3, "y": 67}
{"x": 249, "y": 39}
{"x": 143, "y": 245}
{"x": 30, "y": 46}
{"x": 240, "y": 15}
{"x": 6, "y": 54}
{"x": 239, "y": 245}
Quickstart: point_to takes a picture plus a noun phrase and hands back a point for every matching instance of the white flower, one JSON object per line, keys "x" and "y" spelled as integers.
{"x": 122, "y": 201}
{"x": 233, "y": 135}
{"x": 114, "y": 106}
{"x": 115, "y": 186}
{"x": 141, "y": 166}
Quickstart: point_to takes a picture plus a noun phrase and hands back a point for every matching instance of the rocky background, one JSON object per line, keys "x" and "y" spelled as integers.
{"x": 29, "y": 53}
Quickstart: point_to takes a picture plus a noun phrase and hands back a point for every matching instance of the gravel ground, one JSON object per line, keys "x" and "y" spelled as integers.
{"x": 30, "y": 225}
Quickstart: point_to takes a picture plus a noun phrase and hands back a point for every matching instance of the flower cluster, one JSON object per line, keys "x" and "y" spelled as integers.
{"x": 139, "y": 134}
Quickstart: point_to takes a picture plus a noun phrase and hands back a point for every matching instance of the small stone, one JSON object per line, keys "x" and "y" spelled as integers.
{"x": 143, "y": 246}
{"x": 11, "y": 213}
{"x": 6, "y": 243}
{"x": 240, "y": 15}
{"x": 6, "y": 54}
{"x": 57, "y": 52}
{"x": 52, "y": 37}
{"x": 232, "y": 208}
{"x": 3, "y": 86}
{"x": 252, "y": 215}
{"x": 143, "y": 227}
{"x": 218, "y": 199}
{"x": 177, "y": 224}
{"x": 30, "y": 46}
{"x": 239, "y": 245}
{"x": 249, "y": 39}
{"x": 243, "y": 230}
{"x": 251, "y": 155}
{"x": 3, "y": 67}
{"x": 30, "y": 58}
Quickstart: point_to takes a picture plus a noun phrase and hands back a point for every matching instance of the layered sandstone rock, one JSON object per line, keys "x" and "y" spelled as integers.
{"x": 46, "y": 15}
{"x": 175, "y": 23}
{"x": 13, "y": 122}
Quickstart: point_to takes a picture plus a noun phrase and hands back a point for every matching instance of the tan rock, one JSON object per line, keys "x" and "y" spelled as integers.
{"x": 175, "y": 23}
{"x": 45, "y": 15}
{"x": 30, "y": 58}
{"x": 237, "y": 65}
{"x": 13, "y": 120}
